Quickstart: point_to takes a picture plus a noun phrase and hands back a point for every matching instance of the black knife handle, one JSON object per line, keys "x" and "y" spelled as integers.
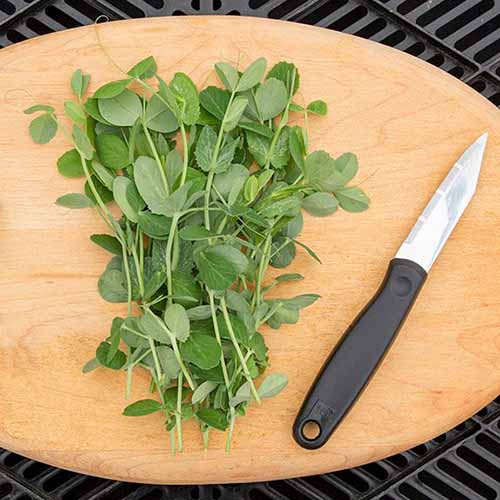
{"x": 359, "y": 352}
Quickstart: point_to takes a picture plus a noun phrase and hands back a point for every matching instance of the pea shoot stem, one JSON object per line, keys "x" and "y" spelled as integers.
{"x": 186, "y": 154}
{"x": 168, "y": 257}
{"x": 156, "y": 156}
{"x": 237, "y": 348}
{"x": 178, "y": 413}
{"x": 213, "y": 162}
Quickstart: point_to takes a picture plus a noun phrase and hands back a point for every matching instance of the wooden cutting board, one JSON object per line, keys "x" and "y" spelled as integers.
{"x": 407, "y": 121}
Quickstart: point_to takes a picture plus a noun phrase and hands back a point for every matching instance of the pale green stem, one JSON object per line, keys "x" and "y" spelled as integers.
{"x": 185, "y": 371}
{"x": 137, "y": 263}
{"x": 156, "y": 362}
{"x": 186, "y": 154}
{"x": 129, "y": 282}
{"x": 262, "y": 268}
{"x": 238, "y": 349}
{"x": 178, "y": 413}
{"x": 156, "y": 157}
{"x": 218, "y": 338}
{"x": 213, "y": 162}
{"x": 168, "y": 257}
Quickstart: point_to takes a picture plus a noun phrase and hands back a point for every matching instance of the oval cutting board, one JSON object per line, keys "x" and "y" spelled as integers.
{"x": 407, "y": 121}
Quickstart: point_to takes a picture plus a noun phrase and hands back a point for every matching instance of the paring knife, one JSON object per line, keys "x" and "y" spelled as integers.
{"x": 363, "y": 346}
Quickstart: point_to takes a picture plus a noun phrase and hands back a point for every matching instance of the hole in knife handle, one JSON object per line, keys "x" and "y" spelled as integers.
{"x": 311, "y": 430}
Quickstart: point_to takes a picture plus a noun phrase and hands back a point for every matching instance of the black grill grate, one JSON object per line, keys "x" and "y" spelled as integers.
{"x": 461, "y": 37}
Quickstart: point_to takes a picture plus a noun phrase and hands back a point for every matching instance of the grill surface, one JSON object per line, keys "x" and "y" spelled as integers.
{"x": 461, "y": 37}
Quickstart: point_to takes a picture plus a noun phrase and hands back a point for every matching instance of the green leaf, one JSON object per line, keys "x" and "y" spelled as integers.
{"x": 243, "y": 395}
{"x": 236, "y": 301}
{"x": 149, "y": 182}
{"x": 227, "y": 74}
{"x": 302, "y": 301}
{"x": 288, "y": 206}
{"x": 272, "y": 385}
{"x": 105, "y": 176}
{"x": 320, "y": 204}
{"x": 142, "y": 407}
{"x": 154, "y": 327}
{"x": 185, "y": 91}
{"x": 318, "y": 107}
{"x": 173, "y": 167}
{"x": 74, "y": 200}
{"x": 177, "y": 321}
{"x": 156, "y": 226}
{"x": 220, "y": 265}
{"x": 129, "y": 326}
{"x": 296, "y": 107}
{"x": 185, "y": 289}
{"x": 297, "y": 146}
{"x": 199, "y": 313}
{"x": 82, "y": 143}
{"x": 112, "y": 151}
{"x": 92, "y": 108}
{"x": 352, "y": 199}
{"x": 258, "y": 346}
{"x": 285, "y": 255}
{"x": 213, "y": 418}
{"x": 175, "y": 203}
{"x": 215, "y": 101}
{"x": 43, "y": 128}
{"x": 166, "y": 93}
{"x": 309, "y": 251}
{"x": 90, "y": 365}
{"x": 347, "y": 165}
{"x": 294, "y": 227}
{"x": 271, "y": 98}
{"x": 285, "y": 313}
{"x": 111, "y": 89}
{"x": 252, "y": 75}
{"x": 281, "y": 151}
{"x": 168, "y": 361}
{"x": 202, "y": 391}
{"x": 288, "y": 74}
{"x": 258, "y": 146}
{"x": 115, "y": 363}
{"x": 159, "y": 118}
{"x": 225, "y": 181}
{"x": 108, "y": 242}
{"x": 39, "y": 107}
{"x": 144, "y": 69}
{"x": 205, "y": 147}
{"x": 256, "y": 128}
{"x": 79, "y": 83}
{"x": 320, "y": 172}
{"x": 234, "y": 113}
{"x": 289, "y": 277}
{"x": 127, "y": 197}
{"x": 114, "y": 338}
{"x": 201, "y": 350}
{"x": 195, "y": 233}
{"x": 121, "y": 110}
{"x": 112, "y": 284}
{"x": 75, "y": 112}
{"x": 69, "y": 164}
{"x": 251, "y": 188}
{"x": 226, "y": 155}
{"x": 103, "y": 192}
{"x": 240, "y": 330}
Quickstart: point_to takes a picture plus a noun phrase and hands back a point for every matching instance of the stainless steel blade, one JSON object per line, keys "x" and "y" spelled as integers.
{"x": 442, "y": 213}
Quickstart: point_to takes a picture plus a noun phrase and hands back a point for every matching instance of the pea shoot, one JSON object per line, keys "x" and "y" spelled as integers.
{"x": 211, "y": 185}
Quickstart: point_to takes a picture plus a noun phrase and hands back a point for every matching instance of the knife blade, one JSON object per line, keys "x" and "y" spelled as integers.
{"x": 358, "y": 354}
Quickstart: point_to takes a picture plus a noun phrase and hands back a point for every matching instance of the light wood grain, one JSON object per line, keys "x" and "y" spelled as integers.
{"x": 407, "y": 121}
